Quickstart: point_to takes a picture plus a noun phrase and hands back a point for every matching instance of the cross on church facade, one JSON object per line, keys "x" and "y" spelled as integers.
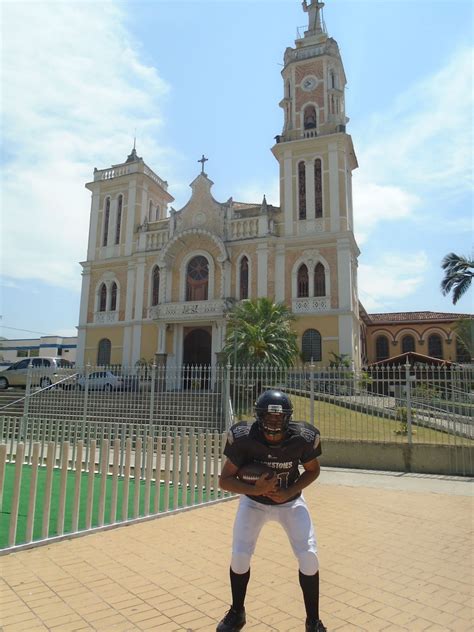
{"x": 203, "y": 161}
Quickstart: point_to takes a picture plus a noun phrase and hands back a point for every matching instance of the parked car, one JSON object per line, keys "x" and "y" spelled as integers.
{"x": 44, "y": 372}
{"x": 100, "y": 381}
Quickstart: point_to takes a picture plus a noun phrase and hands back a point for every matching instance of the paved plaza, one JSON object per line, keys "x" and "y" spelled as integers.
{"x": 395, "y": 552}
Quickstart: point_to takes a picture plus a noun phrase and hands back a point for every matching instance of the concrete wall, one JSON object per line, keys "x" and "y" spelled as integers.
{"x": 397, "y": 457}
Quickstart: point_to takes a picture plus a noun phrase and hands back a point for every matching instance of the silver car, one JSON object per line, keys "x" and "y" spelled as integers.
{"x": 100, "y": 381}
{"x": 44, "y": 372}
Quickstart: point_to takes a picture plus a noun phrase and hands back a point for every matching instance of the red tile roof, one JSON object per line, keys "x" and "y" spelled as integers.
{"x": 398, "y": 317}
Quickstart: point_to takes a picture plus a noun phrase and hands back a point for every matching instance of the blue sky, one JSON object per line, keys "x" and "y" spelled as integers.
{"x": 204, "y": 77}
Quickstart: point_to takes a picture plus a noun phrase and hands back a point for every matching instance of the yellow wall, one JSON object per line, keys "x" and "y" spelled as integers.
{"x": 95, "y": 335}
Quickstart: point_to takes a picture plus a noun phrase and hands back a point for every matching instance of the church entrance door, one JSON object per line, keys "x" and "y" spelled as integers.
{"x": 197, "y": 357}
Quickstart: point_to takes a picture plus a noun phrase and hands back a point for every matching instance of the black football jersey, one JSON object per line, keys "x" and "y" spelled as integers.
{"x": 246, "y": 443}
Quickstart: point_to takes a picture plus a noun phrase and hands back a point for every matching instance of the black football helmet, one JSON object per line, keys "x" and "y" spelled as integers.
{"x": 275, "y": 402}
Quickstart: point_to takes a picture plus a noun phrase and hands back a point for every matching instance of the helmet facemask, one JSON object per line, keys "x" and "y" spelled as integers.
{"x": 273, "y": 411}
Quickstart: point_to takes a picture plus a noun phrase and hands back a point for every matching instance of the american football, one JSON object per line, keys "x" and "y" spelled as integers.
{"x": 251, "y": 472}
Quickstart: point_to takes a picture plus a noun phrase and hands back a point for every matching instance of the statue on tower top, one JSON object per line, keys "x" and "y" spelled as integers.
{"x": 314, "y": 10}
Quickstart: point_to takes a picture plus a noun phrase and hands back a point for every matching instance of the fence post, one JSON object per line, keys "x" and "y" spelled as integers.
{"x": 26, "y": 406}
{"x": 152, "y": 393}
{"x": 228, "y": 420}
{"x": 311, "y": 394}
{"x": 408, "y": 398}
{"x": 86, "y": 392}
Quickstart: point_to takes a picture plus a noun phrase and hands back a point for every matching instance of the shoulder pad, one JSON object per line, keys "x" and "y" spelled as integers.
{"x": 237, "y": 431}
{"x": 308, "y": 432}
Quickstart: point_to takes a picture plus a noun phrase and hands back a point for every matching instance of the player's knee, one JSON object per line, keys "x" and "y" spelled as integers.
{"x": 240, "y": 562}
{"x": 308, "y": 563}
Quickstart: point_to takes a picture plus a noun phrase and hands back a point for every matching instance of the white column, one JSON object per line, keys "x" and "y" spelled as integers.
{"x": 262, "y": 265}
{"x": 161, "y": 346}
{"x": 226, "y": 274}
{"x": 346, "y": 331}
{"x": 344, "y": 276}
{"x": 93, "y": 225}
{"x": 334, "y": 186}
{"x": 83, "y": 309}
{"x": 130, "y": 222}
{"x": 112, "y": 221}
{"x": 280, "y": 273}
{"x": 130, "y": 294}
{"x": 81, "y": 346}
{"x": 137, "y": 327}
{"x": 288, "y": 192}
{"x": 163, "y": 284}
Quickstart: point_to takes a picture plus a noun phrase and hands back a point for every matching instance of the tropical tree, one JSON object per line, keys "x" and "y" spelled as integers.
{"x": 464, "y": 330}
{"x": 458, "y": 275}
{"x": 259, "y": 333}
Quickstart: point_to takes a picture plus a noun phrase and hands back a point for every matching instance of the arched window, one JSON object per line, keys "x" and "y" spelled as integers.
{"x": 309, "y": 117}
{"x": 119, "y": 219}
{"x": 288, "y": 90}
{"x": 105, "y": 236}
{"x": 311, "y": 346}
{"x": 303, "y": 282}
{"x": 381, "y": 348}
{"x": 435, "y": 346}
{"x": 157, "y": 212}
{"x": 244, "y": 278}
{"x": 408, "y": 344}
{"x": 103, "y": 298}
{"x": 319, "y": 280}
{"x": 113, "y": 297}
{"x": 197, "y": 279}
{"x": 103, "y": 353}
{"x": 318, "y": 188}
{"x": 150, "y": 211}
{"x": 155, "y": 290}
{"x": 302, "y": 190}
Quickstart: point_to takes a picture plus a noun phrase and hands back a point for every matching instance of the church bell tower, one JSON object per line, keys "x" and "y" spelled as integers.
{"x": 316, "y": 158}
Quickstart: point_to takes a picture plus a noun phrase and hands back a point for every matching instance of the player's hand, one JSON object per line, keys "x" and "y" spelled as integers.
{"x": 264, "y": 485}
{"x": 279, "y": 495}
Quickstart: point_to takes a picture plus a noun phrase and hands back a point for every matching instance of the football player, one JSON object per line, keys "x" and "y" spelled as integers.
{"x": 281, "y": 444}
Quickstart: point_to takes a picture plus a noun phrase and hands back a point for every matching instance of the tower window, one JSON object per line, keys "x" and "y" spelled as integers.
{"x": 408, "y": 344}
{"x": 311, "y": 350}
{"x": 105, "y": 236}
{"x": 197, "y": 279}
{"x": 102, "y": 298}
{"x": 113, "y": 297}
{"x": 319, "y": 280}
{"x": 309, "y": 117}
{"x": 157, "y": 212}
{"x": 155, "y": 290}
{"x": 302, "y": 190}
{"x": 150, "y": 211}
{"x": 318, "y": 188}
{"x": 381, "y": 348}
{"x": 119, "y": 219}
{"x": 435, "y": 346}
{"x": 244, "y": 278}
{"x": 303, "y": 282}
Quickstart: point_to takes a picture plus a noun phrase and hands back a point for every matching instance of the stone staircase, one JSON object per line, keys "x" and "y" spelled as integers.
{"x": 9, "y": 404}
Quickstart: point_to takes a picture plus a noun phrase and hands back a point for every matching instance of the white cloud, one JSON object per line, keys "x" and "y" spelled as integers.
{"x": 417, "y": 149}
{"x": 74, "y": 92}
{"x": 374, "y": 203}
{"x": 394, "y": 277}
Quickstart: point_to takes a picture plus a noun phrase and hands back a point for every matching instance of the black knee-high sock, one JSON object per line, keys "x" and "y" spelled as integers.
{"x": 310, "y": 587}
{"x": 238, "y": 586}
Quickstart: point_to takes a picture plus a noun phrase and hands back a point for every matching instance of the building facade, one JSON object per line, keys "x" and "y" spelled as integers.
{"x": 158, "y": 283}
{"x": 14, "y": 349}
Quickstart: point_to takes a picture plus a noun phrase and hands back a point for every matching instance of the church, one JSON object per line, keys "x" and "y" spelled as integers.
{"x": 158, "y": 283}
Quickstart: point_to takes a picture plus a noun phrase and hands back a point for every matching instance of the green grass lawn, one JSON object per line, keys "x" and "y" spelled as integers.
{"x": 339, "y": 422}
{"x": 24, "y": 499}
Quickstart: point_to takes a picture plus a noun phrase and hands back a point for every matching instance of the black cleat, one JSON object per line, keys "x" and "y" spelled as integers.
{"x": 233, "y": 621}
{"x": 315, "y": 626}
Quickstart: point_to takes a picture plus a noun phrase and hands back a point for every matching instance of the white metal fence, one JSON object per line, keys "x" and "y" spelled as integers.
{"x": 399, "y": 403}
{"x": 57, "y": 486}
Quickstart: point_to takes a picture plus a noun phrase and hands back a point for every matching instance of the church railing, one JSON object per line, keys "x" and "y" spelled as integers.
{"x": 311, "y": 305}
{"x": 156, "y": 239}
{"x": 243, "y": 228}
{"x": 106, "y": 318}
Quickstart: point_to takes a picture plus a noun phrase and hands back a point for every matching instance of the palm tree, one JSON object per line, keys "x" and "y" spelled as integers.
{"x": 260, "y": 333}
{"x": 458, "y": 275}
